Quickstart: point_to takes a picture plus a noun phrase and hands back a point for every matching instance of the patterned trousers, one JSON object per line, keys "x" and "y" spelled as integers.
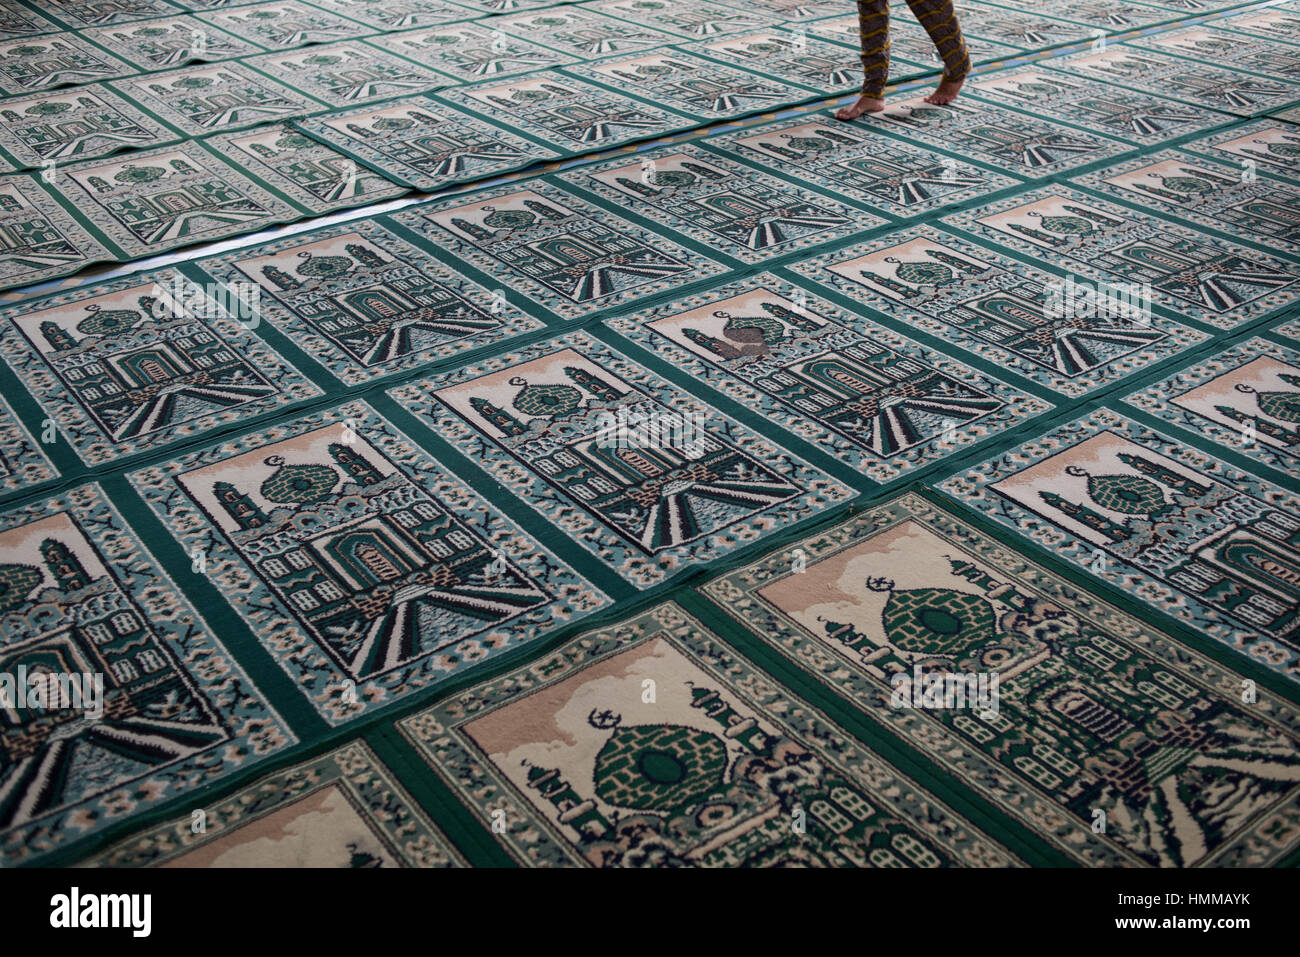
{"x": 939, "y": 20}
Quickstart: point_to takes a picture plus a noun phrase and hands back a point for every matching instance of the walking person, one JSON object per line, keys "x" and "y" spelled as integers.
{"x": 940, "y": 22}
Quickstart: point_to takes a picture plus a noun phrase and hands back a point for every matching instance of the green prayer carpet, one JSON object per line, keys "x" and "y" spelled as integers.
{"x": 448, "y": 433}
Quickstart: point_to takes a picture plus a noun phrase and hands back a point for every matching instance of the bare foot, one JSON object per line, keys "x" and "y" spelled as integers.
{"x": 864, "y": 104}
{"x": 946, "y": 93}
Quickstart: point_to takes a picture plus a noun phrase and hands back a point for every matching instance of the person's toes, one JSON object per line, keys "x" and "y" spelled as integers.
{"x": 863, "y": 104}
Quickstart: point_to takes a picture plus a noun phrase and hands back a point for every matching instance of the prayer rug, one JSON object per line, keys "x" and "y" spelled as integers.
{"x": 1291, "y": 115}
{"x": 313, "y": 175}
{"x": 1282, "y": 23}
{"x": 284, "y": 24}
{"x": 85, "y": 122}
{"x": 673, "y": 382}
{"x": 556, "y": 251}
{"x": 1018, "y": 28}
{"x": 363, "y": 567}
{"x": 652, "y": 744}
{"x": 1183, "y": 186}
{"x": 177, "y": 711}
{"x": 215, "y": 98}
{"x": 16, "y": 21}
{"x": 883, "y": 174}
{"x": 344, "y": 74}
{"x": 692, "y": 19}
{"x": 1176, "y": 529}
{"x": 582, "y": 33}
{"x": 1245, "y": 398}
{"x": 788, "y": 57}
{"x": 172, "y": 42}
{"x": 845, "y": 29}
{"x": 731, "y": 209}
{"x": 506, "y": 6}
{"x": 871, "y": 398}
{"x": 363, "y": 302}
{"x": 1194, "y": 274}
{"x": 194, "y": 5}
{"x": 153, "y": 200}
{"x": 1194, "y": 7}
{"x": 77, "y": 14}
{"x": 135, "y": 364}
{"x": 909, "y": 44}
{"x": 39, "y": 239}
{"x": 648, "y": 479}
{"x": 48, "y": 62}
{"x": 1104, "y": 16}
{"x": 342, "y": 809}
{"x": 700, "y": 88}
{"x": 472, "y": 52}
{"x": 1179, "y": 78}
{"x": 1092, "y": 105}
{"x": 23, "y": 463}
{"x": 1096, "y": 716}
{"x": 423, "y": 143}
{"x": 396, "y": 14}
{"x": 1210, "y": 44}
{"x": 795, "y": 11}
{"x": 1004, "y": 139}
{"x": 1264, "y": 144}
{"x": 1014, "y": 316}
{"x": 566, "y": 113}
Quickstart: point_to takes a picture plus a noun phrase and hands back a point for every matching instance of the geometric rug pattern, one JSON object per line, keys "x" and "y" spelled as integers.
{"x": 452, "y": 433}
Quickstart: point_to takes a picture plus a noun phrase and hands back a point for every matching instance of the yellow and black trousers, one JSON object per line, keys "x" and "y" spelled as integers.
{"x": 940, "y": 22}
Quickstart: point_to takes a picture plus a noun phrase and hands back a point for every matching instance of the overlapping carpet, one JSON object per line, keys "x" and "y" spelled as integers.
{"x": 368, "y": 582}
